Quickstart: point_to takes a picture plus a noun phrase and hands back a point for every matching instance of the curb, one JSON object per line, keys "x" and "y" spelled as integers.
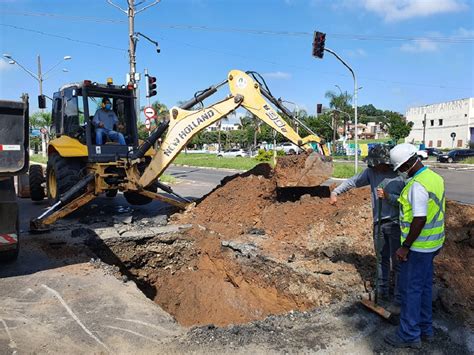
{"x": 206, "y": 167}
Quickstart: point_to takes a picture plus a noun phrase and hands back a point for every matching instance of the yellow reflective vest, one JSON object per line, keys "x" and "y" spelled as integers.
{"x": 432, "y": 235}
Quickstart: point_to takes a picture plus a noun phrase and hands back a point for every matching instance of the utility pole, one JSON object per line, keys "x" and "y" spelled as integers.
{"x": 40, "y": 78}
{"x": 131, "y": 40}
{"x": 131, "y": 12}
{"x": 424, "y": 130}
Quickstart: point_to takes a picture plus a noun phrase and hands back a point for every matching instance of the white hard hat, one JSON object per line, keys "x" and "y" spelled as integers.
{"x": 401, "y": 153}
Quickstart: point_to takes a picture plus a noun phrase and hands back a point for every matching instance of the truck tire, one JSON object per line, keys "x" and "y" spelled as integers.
{"x": 61, "y": 175}
{"x": 36, "y": 179}
{"x": 8, "y": 256}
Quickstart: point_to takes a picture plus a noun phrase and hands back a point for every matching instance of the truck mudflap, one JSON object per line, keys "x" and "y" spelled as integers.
{"x": 8, "y": 241}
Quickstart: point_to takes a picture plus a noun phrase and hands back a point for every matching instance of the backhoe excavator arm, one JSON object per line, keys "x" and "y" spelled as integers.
{"x": 184, "y": 124}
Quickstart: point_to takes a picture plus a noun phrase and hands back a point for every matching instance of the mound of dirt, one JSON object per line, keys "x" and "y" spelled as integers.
{"x": 303, "y": 170}
{"x": 253, "y": 250}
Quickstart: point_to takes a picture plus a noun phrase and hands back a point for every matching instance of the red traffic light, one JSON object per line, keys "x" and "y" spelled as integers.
{"x": 319, "y": 40}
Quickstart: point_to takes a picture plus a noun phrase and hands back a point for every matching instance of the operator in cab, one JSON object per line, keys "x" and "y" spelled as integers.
{"x": 105, "y": 122}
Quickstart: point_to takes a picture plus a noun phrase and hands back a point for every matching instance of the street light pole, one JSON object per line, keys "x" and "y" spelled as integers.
{"x": 39, "y": 77}
{"x": 356, "y": 160}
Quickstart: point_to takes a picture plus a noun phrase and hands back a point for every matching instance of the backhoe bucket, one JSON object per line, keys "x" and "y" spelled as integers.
{"x": 303, "y": 170}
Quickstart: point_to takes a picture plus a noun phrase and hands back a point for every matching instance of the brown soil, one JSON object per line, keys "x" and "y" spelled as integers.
{"x": 254, "y": 250}
{"x": 303, "y": 170}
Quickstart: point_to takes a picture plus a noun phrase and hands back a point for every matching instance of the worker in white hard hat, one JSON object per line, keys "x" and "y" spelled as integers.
{"x": 385, "y": 188}
{"x": 422, "y": 208}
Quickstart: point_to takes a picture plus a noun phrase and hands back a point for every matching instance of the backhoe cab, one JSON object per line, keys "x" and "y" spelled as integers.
{"x": 74, "y": 107}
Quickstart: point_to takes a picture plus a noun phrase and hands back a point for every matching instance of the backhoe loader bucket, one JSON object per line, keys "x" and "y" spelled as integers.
{"x": 303, "y": 170}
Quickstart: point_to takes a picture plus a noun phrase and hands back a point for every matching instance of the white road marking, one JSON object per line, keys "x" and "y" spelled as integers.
{"x": 160, "y": 328}
{"x": 134, "y": 333}
{"x": 69, "y": 310}
{"x": 12, "y": 343}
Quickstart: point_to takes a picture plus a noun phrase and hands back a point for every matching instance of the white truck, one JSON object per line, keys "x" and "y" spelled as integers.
{"x": 14, "y": 134}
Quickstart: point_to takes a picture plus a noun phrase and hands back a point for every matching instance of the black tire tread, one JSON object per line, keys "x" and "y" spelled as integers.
{"x": 36, "y": 180}
{"x": 68, "y": 173}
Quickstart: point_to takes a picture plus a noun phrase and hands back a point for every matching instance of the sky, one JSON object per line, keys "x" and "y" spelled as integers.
{"x": 404, "y": 52}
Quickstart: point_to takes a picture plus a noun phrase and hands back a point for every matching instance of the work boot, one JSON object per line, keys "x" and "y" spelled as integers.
{"x": 394, "y": 340}
{"x": 394, "y": 309}
{"x": 427, "y": 338}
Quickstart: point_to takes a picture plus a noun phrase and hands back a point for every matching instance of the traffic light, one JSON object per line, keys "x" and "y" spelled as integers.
{"x": 319, "y": 108}
{"x": 151, "y": 87}
{"x": 41, "y": 101}
{"x": 319, "y": 40}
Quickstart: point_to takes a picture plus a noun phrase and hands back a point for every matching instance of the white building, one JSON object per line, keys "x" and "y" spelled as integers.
{"x": 448, "y": 124}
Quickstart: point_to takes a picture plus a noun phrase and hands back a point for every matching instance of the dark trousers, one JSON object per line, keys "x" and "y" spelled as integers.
{"x": 416, "y": 282}
{"x": 388, "y": 244}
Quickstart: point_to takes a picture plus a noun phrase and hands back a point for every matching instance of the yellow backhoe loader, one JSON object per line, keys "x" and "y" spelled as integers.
{"x": 78, "y": 169}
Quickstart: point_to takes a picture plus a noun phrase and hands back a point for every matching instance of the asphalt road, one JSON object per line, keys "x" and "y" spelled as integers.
{"x": 459, "y": 183}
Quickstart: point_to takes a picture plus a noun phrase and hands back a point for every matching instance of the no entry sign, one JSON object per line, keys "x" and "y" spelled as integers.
{"x": 149, "y": 112}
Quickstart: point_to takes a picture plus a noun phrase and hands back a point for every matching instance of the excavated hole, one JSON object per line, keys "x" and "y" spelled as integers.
{"x": 292, "y": 194}
{"x": 210, "y": 281}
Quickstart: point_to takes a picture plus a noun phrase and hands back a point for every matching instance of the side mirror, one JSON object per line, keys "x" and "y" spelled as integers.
{"x": 41, "y": 101}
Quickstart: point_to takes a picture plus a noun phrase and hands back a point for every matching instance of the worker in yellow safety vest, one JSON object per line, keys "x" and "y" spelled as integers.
{"x": 422, "y": 208}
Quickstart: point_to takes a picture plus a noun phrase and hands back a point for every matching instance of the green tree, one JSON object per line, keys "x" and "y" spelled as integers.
{"x": 40, "y": 119}
{"x": 396, "y": 125}
{"x": 321, "y": 125}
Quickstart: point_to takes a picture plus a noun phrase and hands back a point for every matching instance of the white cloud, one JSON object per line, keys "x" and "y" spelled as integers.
{"x": 277, "y": 75}
{"x": 399, "y": 10}
{"x": 463, "y": 33}
{"x": 420, "y": 45}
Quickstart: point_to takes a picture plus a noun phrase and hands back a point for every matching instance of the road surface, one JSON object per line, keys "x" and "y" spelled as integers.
{"x": 459, "y": 183}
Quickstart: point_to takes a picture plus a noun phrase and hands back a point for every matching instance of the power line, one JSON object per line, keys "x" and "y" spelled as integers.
{"x": 63, "y": 37}
{"x": 357, "y": 37}
{"x": 244, "y": 57}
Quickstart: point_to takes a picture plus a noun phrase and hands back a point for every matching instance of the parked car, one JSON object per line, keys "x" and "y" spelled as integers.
{"x": 233, "y": 153}
{"x": 289, "y": 148}
{"x": 456, "y": 155}
{"x": 433, "y": 152}
{"x": 422, "y": 154}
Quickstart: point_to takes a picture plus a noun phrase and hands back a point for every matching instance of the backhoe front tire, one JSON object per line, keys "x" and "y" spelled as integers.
{"x": 36, "y": 181}
{"x": 136, "y": 199}
{"x": 61, "y": 175}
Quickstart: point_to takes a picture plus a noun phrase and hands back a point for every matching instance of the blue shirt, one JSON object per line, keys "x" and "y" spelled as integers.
{"x": 107, "y": 117}
{"x": 392, "y": 184}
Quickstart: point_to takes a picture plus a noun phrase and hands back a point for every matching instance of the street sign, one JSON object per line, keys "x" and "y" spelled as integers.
{"x": 43, "y": 130}
{"x": 453, "y": 135}
{"x": 149, "y": 112}
{"x": 148, "y": 124}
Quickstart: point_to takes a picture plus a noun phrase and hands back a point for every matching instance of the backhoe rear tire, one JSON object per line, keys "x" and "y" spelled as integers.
{"x": 61, "y": 175}
{"x": 36, "y": 180}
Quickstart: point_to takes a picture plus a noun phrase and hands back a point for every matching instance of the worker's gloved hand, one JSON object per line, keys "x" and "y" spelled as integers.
{"x": 333, "y": 198}
{"x": 381, "y": 193}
